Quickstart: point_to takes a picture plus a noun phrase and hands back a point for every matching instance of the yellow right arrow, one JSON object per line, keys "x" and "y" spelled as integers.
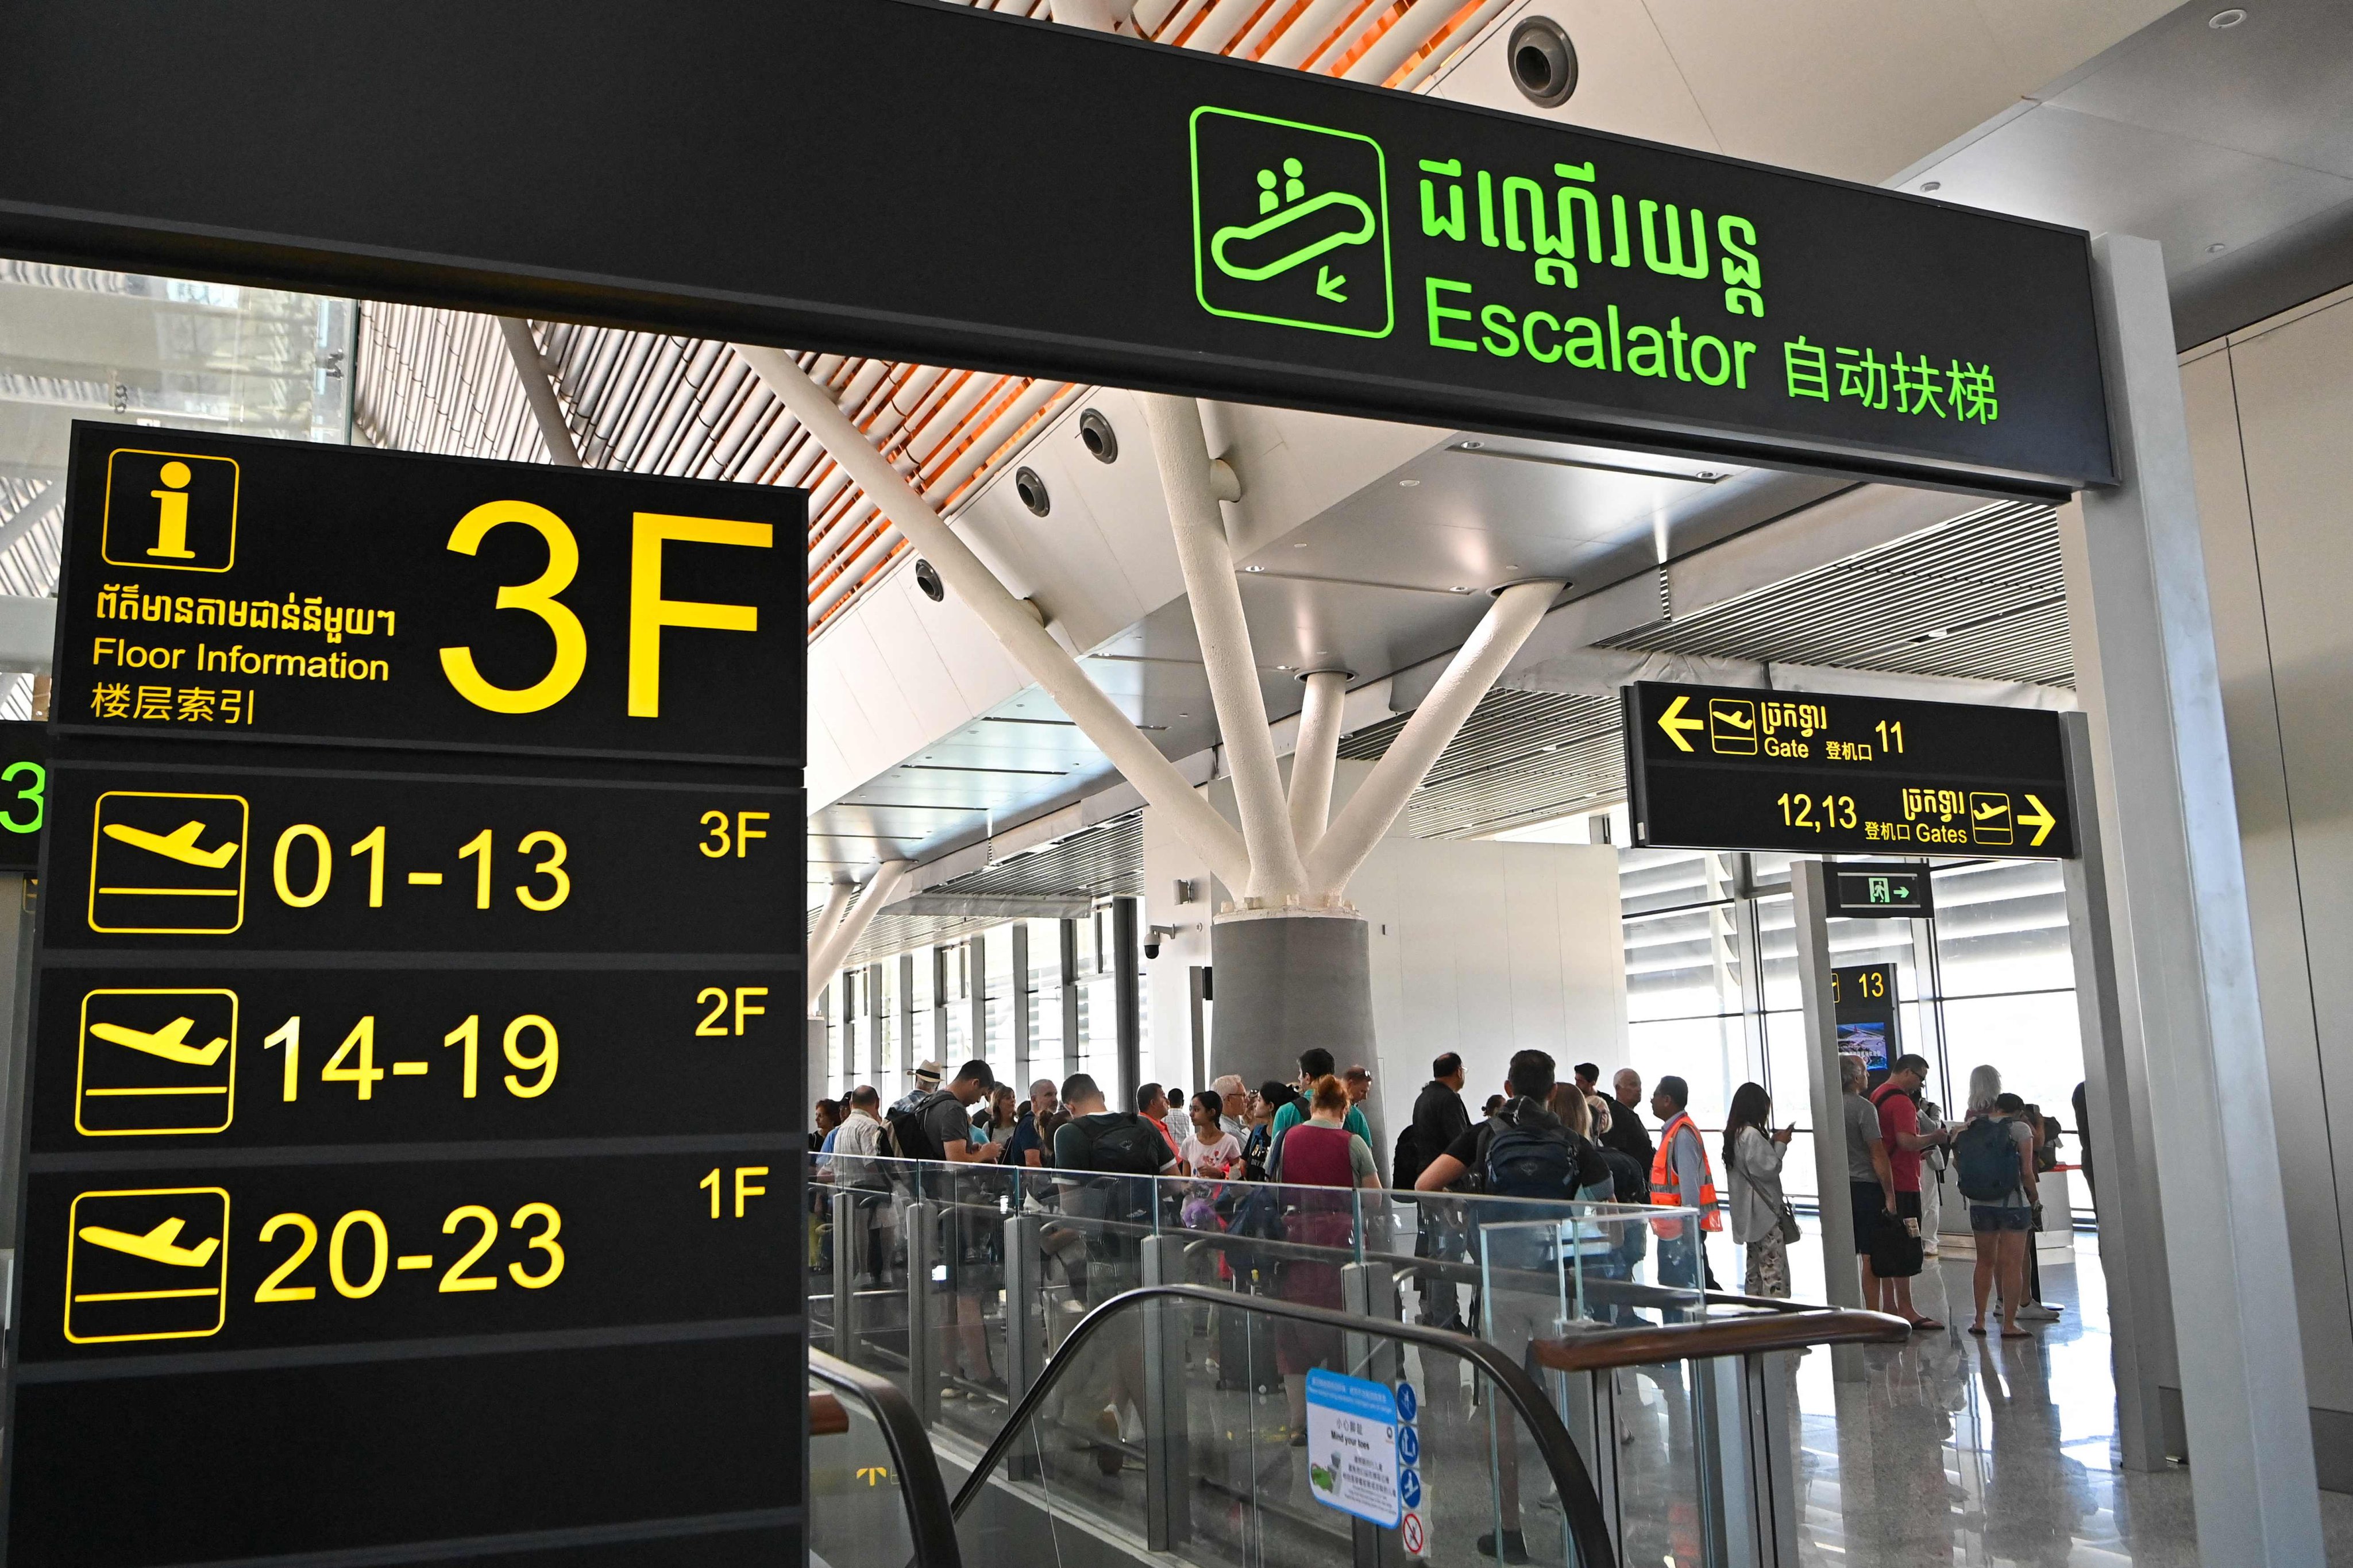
{"x": 1674, "y": 726}
{"x": 2040, "y": 819}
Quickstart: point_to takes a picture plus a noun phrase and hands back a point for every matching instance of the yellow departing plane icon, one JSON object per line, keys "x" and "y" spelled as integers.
{"x": 1675, "y": 724}
{"x": 130, "y": 1275}
{"x": 168, "y": 1042}
{"x": 1732, "y": 726}
{"x": 157, "y": 1245}
{"x": 180, "y": 844}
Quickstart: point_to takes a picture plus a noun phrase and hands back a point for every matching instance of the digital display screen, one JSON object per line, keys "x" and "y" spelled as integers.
{"x": 1867, "y": 1040}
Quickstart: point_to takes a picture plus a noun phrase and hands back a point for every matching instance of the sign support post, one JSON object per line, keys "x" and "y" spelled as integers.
{"x": 1840, "y": 1284}
{"x": 2145, "y": 664}
{"x": 2132, "y": 1225}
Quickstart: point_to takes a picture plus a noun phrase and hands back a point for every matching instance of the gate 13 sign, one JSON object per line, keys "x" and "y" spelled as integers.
{"x": 1222, "y": 228}
{"x": 241, "y": 588}
{"x": 1825, "y": 773}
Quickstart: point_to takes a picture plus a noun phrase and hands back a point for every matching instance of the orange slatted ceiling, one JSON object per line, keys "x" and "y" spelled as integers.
{"x": 437, "y": 380}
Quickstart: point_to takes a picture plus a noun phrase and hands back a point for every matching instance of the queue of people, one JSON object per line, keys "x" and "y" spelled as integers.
{"x": 1541, "y": 1138}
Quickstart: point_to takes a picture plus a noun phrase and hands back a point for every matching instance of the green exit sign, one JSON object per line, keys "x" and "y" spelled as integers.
{"x": 1881, "y": 891}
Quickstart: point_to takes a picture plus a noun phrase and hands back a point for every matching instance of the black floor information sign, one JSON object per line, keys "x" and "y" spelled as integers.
{"x": 395, "y": 1190}
{"x": 1819, "y": 773}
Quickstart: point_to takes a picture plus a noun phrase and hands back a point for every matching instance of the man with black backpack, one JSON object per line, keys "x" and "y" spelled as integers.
{"x": 939, "y": 1127}
{"x": 1521, "y": 1151}
{"x": 1104, "y": 1161}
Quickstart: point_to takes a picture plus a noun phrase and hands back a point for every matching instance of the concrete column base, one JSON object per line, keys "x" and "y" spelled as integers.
{"x": 1285, "y": 980}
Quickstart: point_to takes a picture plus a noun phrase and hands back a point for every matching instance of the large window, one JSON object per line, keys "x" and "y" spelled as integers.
{"x": 1712, "y": 982}
{"x": 967, "y": 993}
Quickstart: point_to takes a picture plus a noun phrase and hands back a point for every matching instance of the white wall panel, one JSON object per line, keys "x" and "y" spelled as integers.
{"x": 2271, "y": 417}
{"x": 1488, "y": 948}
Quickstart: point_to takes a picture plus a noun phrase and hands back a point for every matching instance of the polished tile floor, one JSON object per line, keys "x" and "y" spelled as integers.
{"x": 1957, "y": 1450}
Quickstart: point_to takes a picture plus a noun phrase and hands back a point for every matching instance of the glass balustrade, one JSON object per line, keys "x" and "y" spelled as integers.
{"x": 958, "y": 1283}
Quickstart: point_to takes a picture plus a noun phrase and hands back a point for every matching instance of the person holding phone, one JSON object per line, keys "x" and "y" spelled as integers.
{"x": 1761, "y": 1218}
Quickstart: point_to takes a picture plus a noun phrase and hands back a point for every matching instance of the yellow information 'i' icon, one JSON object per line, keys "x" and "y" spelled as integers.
{"x": 166, "y": 863}
{"x": 169, "y": 511}
{"x": 150, "y": 1263}
{"x": 156, "y": 1062}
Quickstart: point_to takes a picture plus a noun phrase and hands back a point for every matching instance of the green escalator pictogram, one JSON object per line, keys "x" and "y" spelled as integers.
{"x": 1284, "y": 214}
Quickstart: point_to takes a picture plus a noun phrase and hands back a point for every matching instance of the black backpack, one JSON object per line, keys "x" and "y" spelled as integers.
{"x": 1536, "y": 1161}
{"x": 1533, "y": 1162}
{"x": 910, "y": 1139}
{"x": 1407, "y": 1162}
{"x": 1632, "y": 1183}
{"x": 1131, "y": 1146}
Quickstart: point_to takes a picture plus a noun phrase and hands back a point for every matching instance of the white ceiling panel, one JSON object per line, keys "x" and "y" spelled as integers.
{"x": 2079, "y": 169}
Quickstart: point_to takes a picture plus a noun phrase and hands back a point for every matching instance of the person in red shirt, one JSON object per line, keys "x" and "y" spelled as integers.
{"x": 1152, "y": 1104}
{"x": 1899, "y": 1128}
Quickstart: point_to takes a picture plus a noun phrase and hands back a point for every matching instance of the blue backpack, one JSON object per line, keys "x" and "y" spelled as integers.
{"x": 1985, "y": 1160}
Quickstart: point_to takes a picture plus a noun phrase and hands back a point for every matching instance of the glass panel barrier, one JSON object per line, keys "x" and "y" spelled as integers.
{"x": 960, "y": 1280}
{"x": 1611, "y": 1267}
{"x": 1162, "y": 1430}
{"x": 858, "y": 1508}
{"x": 877, "y": 1497}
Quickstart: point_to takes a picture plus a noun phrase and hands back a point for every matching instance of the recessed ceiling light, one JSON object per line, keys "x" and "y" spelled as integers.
{"x": 2230, "y": 18}
{"x": 1253, "y": 568}
{"x": 1474, "y": 445}
{"x": 1407, "y": 484}
{"x": 1458, "y": 589}
{"x": 1301, "y": 545}
{"x": 1283, "y": 667}
{"x": 1932, "y": 185}
{"x": 2217, "y": 248}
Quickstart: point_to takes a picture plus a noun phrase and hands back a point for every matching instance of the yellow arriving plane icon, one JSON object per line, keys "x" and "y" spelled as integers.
{"x": 180, "y": 844}
{"x": 168, "y": 1042}
{"x": 158, "y": 1245}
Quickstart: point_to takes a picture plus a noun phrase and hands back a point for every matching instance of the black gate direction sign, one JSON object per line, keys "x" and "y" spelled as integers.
{"x": 1826, "y": 773}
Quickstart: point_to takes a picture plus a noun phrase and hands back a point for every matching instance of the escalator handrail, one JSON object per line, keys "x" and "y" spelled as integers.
{"x": 1581, "y": 1505}
{"x": 1596, "y": 1348}
{"x": 931, "y": 1520}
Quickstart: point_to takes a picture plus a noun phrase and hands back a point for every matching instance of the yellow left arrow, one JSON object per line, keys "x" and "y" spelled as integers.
{"x": 1674, "y": 726}
{"x": 2040, "y": 819}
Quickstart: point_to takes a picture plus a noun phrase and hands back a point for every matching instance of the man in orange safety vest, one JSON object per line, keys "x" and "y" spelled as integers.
{"x": 1680, "y": 1178}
